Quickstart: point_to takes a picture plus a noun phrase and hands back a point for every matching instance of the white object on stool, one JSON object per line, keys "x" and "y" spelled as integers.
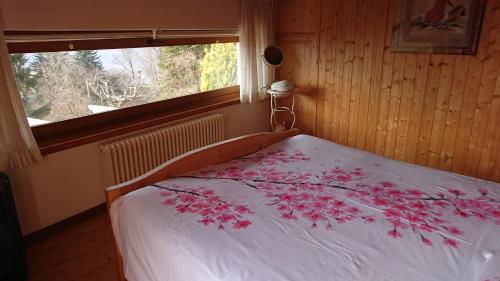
{"x": 282, "y": 86}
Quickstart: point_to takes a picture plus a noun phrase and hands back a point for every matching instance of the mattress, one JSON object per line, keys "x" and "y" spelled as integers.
{"x": 310, "y": 209}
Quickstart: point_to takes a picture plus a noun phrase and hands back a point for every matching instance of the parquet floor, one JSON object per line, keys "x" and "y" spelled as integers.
{"x": 83, "y": 252}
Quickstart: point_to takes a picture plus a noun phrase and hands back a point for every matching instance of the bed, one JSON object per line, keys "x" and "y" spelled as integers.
{"x": 284, "y": 207}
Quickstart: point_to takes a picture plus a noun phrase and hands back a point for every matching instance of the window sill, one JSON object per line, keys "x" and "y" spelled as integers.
{"x": 67, "y": 134}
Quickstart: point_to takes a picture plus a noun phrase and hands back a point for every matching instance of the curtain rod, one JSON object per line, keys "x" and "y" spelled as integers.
{"x": 51, "y": 36}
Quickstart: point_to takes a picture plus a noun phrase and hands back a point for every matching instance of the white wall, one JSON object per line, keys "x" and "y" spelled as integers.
{"x": 69, "y": 182}
{"x": 119, "y": 14}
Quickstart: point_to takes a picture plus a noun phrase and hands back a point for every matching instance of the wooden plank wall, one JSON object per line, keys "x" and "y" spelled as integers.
{"x": 442, "y": 111}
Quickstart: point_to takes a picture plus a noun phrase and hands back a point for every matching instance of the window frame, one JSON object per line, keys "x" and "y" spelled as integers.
{"x": 61, "y": 135}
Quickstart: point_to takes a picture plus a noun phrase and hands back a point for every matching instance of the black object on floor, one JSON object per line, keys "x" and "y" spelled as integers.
{"x": 13, "y": 265}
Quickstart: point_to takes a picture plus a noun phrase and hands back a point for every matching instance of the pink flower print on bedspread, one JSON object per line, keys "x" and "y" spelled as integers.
{"x": 329, "y": 197}
{"x": 204, "y": 202}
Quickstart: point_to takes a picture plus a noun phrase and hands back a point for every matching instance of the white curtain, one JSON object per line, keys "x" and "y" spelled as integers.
{"x": 256, "y": 33}
{"x": 18, "y": 147}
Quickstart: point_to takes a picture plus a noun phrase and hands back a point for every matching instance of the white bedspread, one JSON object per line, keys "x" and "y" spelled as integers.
{"x": 309, "y": 209}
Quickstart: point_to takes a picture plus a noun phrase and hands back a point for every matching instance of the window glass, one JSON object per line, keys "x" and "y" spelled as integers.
{"x": 58, "y": 86}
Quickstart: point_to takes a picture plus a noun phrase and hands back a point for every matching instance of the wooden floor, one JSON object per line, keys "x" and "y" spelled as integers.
{"x": 83, "y": 252}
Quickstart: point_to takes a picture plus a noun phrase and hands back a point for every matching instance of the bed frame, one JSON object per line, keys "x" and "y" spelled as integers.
{"x": 191, "y": 161}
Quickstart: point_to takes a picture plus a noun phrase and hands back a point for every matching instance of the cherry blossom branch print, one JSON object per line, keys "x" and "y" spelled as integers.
{"x": 204, "y": 202}
{"x": 331, "y": 197}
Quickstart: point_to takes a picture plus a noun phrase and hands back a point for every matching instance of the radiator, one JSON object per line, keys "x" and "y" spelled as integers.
{"x": 130, "y": 157}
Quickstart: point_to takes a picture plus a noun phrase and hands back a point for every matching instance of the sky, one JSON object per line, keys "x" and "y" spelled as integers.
{"x": 107, "y": 58}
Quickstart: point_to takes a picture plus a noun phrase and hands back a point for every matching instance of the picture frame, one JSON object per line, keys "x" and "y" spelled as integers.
{"x": 437, "y": 26}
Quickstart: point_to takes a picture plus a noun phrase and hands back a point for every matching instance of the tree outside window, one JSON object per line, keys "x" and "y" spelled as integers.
{"x": 64, "y": 85}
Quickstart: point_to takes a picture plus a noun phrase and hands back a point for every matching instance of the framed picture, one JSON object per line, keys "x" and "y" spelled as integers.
{"x": 437, "y": 26}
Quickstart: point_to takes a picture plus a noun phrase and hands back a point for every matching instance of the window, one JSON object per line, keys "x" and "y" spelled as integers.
{"x": 58, "y": 86}
{"x": 119, "y": 85}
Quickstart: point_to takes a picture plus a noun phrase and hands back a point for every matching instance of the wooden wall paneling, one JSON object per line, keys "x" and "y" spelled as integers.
{"x": 386, "y": 85}
{"x": 381, "y": 10}
{"x": 483, "y": 107}
{"x": 407, "y": 89}
{"x": 314, "y": 62}
{"x": 426, "y": 121}
{"x": 484, "y": 100}
{"x": 466, "y": 115}
{"x": 394, "y": 104}
{"x": 496, "y": 168}
{"x": 329, "y": 67}
{"x": 360, "y": 15}
{"x": 305, "y": 103}
{"x": 492, "y": 138}
{"x": 321, "y": 98}
{"x": 495, "y": 173}
{"x": 471, "y": 93}
{"x": 350, "y": 27}
{"x": 440, "y": 109}
{"x": 298, "y": 16}
{"x": 299, "y": 68}
{"x": 338, "y": 70}
{"x": 368, "y": 46}
{"x": 298, "y": 35}
{"x": 417, "y": 105}
{"x": 435, "y": 110}
{"x": 453, "y": 114}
